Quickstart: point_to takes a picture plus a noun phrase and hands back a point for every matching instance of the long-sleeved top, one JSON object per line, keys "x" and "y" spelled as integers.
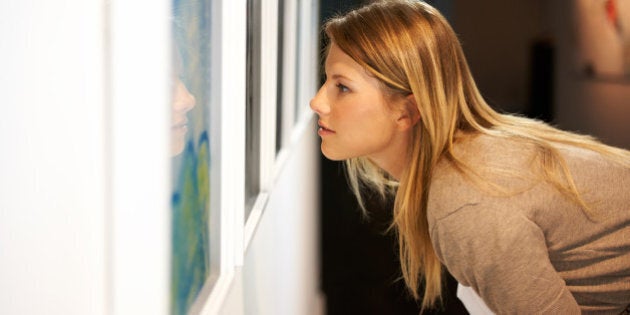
{"x": 527, "y": 248}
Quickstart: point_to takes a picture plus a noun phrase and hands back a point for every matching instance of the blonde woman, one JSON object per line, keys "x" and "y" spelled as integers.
{"x": 532, "y": 218}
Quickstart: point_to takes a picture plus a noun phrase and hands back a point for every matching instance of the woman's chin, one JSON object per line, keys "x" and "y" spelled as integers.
{"x": 178, "y": 140}
{"x": 332, "y": 154}
{"x": 177, "y": 146}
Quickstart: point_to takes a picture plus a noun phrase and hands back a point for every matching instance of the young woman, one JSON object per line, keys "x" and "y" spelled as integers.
{"x": 534, "y": 219}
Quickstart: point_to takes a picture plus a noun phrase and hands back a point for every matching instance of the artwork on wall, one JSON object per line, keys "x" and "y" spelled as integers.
{"x": 618, "y": 14}
{"x": 603, "y": 38}
{"x": 190, "y": 150}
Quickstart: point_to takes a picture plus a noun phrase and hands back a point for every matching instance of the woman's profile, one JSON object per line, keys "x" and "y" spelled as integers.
{"x": 534, "y": 219}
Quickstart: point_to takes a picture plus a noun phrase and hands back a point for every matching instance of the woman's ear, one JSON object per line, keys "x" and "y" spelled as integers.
{"x": 409, "y": 114}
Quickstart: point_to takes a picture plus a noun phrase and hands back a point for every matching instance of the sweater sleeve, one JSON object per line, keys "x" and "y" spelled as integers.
{"x": 503, "y": 256}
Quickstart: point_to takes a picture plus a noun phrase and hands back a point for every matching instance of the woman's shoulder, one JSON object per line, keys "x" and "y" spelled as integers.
{"x": 463, "y": 178}
{"x": 578, "y": 157}
{"x": 492, "y": 155}
{"x": 450, "y": 190}
{"x": 483, "y": 164}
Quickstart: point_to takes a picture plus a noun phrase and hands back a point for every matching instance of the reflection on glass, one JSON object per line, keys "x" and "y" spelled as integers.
{"x": 190, "y": 148}
{"x": 182, "y": 102}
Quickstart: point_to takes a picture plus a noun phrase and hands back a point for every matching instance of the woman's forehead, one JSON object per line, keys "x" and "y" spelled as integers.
{"x": 338, "y": 62}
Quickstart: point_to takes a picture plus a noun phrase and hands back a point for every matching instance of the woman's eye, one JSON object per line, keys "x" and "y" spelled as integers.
{"x": 342, "y": 88}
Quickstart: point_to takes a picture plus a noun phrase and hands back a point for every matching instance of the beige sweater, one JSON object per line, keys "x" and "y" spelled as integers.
{"x": 533, "y": 251}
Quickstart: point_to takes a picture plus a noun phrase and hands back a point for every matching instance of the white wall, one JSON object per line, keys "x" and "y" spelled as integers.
{"x": 52, "y": 167}
{"x": 84, "y": 189}
{"x": 280, "y": 274}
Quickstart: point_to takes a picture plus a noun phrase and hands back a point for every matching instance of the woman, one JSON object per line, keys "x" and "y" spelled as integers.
{"x": 534, "y": 219}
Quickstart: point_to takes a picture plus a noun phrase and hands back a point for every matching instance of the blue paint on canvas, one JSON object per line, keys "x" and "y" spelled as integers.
{"x": 190, "y": 259}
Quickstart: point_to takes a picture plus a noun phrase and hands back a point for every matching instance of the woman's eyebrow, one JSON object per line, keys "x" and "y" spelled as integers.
{"x": 339, "y": 76}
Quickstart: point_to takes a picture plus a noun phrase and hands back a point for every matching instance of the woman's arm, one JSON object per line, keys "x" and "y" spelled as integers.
{"x": 503, "y": 256}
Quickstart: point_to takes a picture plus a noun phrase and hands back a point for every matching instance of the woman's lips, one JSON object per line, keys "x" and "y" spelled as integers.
{"x": 323, "y": 130}
{"x": 180, "y": 123}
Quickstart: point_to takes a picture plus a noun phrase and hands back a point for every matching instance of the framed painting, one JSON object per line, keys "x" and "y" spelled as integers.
{"x": 192, "y": 266}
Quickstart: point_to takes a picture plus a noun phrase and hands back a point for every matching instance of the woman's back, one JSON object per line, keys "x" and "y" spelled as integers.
{"x": 527, "y": 242}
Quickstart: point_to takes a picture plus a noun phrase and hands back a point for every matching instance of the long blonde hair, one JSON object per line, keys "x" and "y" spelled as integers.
{"x": 410, "y": 47}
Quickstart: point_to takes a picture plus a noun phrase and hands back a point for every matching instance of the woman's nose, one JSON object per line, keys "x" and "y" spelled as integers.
{"x": 319, "y": 103}
{"x": 183, "y": 101}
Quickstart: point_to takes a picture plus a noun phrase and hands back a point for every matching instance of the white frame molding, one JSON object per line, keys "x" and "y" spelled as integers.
{"x": 289, "y": 78}
{"x": 229, "y": 31}
{"x": 268, "y": 97}
{"x": 268, "y": 79}
{"x": 230, "y": 62}
{"x": 290, "y": 75}
{"x": 300, "y": 46}
{"x": 138, "y": 85}
{"x": 308, "y": 54}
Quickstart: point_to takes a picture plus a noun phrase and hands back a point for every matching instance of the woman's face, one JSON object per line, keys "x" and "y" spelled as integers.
{"x": 182, "y": 102}
{"x": 354, "y": 117}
